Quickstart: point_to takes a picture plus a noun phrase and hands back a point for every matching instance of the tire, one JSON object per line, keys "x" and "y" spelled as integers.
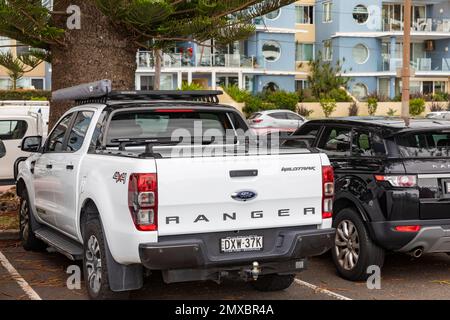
{"x": 273, "y": 282}
{"x": 94, "y": 264}
{"x": 27, "y": 236}
{"x": 354, "y": 251}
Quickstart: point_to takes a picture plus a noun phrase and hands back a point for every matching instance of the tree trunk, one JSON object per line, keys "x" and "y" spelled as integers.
{"x": 97, "y": 51}
{"x": 158, "y": 66}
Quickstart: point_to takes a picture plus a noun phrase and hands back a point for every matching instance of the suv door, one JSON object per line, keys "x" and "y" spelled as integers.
{"x": 48, "y": 188}
{"x": 279, "y": 120}
{"x": 67, "y": 173}
{"x": 368, "y": 152}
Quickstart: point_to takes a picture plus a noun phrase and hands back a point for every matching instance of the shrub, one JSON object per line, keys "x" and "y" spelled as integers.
{"x": 339, "y": 95}
{"x": 372, "y": 106}
{"x": 237, "y": 94}
{"x": 391, "y": 112}
{"x": 328, "y": 106}
{"x": 25, "y": 95}
{"x": 283, "y": 100}
{"x": 436, "y": 107}
{"x": 353, "y": 110}
{"x": 440, "y": 96}
{"x": 252, "y": 104}
{"x": 416, "y": 107}
{"x": 304, "y": 112}
{"x": 185, "y": 86}
{"x": 305, "y": 95}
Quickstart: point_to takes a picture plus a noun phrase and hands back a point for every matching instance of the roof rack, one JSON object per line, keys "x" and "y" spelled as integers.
{"x": 101, "y": 92}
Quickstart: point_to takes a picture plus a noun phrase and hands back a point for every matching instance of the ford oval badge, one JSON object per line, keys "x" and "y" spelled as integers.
{"x": 244, "y": 195}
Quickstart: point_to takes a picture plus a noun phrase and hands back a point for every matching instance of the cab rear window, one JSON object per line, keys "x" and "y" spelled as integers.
{"x": 154, "y": 124}
{"x": 424, "y": 144}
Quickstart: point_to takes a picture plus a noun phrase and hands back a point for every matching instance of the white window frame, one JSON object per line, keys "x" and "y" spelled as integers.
{"x": 327, "y": 12}
{"x": 368, "y": 54}
{"x": 302, "y": 9}
{"x": 279, "y": 45}
{"x": 328, "y": 50}
{"x": 303, "y": 44}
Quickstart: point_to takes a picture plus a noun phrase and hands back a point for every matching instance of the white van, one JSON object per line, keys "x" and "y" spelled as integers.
{"x": 19, "y": 119}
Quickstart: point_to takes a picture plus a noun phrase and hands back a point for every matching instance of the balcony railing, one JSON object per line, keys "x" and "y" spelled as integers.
{"x": 419, "y": 25}
{"x": 145, "y": 59}
{"x": 421, "y": 64}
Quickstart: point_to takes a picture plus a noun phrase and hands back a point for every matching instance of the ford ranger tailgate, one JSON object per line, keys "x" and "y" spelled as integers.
{"x": 198, "y": 195}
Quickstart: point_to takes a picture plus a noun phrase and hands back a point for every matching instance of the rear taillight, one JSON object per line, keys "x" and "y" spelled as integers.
{"x": 257, "y": 120}
{"x": 398, "y": 181}
{"x": 407, "y": 228}
{"x": 143, "y": 200}
{"x": 327, "y": 192}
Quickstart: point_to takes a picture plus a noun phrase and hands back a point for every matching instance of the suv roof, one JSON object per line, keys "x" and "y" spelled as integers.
{"x": 396, "y": 124}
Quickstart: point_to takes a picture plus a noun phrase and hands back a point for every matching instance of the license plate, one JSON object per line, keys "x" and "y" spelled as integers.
{"x": 242, "y": 244}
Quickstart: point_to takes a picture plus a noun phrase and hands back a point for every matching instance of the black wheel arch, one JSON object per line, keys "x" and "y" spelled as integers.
{"x": 121, "y": 277}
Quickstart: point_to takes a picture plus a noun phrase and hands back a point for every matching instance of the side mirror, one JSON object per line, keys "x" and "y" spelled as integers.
{"x": 31, "y": 144}
{"x": 2, "y": 149}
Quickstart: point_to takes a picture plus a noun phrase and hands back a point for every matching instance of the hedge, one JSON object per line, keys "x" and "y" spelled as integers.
{"x": 25, "y": 95}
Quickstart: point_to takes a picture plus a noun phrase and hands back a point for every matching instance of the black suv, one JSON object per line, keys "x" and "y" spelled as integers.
{"x": 392, "y": 187}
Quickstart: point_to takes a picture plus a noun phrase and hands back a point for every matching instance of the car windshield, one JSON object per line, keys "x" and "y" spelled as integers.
{"x": 424, "y": 144}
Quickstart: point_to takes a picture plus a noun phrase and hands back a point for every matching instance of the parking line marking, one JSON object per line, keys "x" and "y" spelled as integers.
{"x": 321, "y": 290}
{"x": 18, "y": 278}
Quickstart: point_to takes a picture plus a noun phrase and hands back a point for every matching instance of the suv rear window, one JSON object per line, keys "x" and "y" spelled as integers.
{"x": 153, "y": 124}
{"x": 424, "y": 144}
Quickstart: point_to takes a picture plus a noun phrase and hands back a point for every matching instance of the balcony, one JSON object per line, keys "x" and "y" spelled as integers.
{"x": 418, "y": 25}
{"x": 145, "y": 59}
{"x": 424, "y": 65}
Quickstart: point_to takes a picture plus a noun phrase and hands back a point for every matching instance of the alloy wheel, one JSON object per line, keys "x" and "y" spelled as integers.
{"x": 94, "y": 264}
{"x": 347, "y": 245}
{"x": 24, "y": 220}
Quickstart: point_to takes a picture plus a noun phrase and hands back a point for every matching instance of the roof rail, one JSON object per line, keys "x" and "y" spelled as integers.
{"x": 101, "y": 92}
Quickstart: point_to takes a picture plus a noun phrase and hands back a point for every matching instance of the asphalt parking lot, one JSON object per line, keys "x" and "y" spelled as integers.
{"x": 25, "y": 275}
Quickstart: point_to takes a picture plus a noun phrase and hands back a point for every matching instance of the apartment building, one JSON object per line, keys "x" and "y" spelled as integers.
{"x": 270, "y": 59}
{"x": 368, "y": 35}
{"x": 39, "y": 78}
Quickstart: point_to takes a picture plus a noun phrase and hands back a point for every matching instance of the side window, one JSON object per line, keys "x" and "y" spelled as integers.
{"x": 336, "y": 141}
{"x": 278, "y": 115}
{"x": 13, "y": 129}
{"x": 367, "y": 144}
{"x": 56, "y": 140}
{"x": 307, "y": 130}
{"x": 293, "y": 116}
{"x": 79, "y": 129}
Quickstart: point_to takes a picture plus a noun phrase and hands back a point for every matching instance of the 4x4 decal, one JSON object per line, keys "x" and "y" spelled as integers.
{"x": 120, "y": 177}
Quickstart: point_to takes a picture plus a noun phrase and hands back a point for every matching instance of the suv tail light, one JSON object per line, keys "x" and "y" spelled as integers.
{"x": 257, "y": 120}
{"x": 328, "y": 192}
{"x": 143, "y": 200}
{"x": 398, "y": 181}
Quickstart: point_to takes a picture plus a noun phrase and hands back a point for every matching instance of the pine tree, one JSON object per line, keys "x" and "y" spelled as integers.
{"x": 113, "y": 30}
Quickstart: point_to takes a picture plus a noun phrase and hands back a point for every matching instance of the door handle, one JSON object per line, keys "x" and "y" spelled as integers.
{"x": 49, "y": 166}
{"x": 70, "y": 167}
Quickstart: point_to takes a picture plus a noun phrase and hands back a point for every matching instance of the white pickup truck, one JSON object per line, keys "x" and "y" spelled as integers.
{"x": 107, "y": 187}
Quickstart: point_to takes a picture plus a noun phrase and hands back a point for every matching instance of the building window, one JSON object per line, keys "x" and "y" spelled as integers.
{"x": 304, "y": 52}
{"x": 360, "y": 14}
{"x": 271, "y": 51}
{"x": 327, "y": 50}
{"x": 271, "y": 87}
{"x": 301, "y": 85}
{"x": 327, "y": 7}
{"x": 273, "y": 15}
{"x": 37, "y": 84}
{"x": 147, "y": 82}
{"x": 360, "y": 91}
{"x": 360, "y": 53}
{"x": 3, "y": 43}
{"x": 304, "y": 14}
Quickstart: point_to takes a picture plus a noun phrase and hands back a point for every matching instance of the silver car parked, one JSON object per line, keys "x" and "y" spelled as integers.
{"x": 284, "y": 120}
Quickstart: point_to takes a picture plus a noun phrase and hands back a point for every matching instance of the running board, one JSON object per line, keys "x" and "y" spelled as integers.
{"x": 61, "y": 243}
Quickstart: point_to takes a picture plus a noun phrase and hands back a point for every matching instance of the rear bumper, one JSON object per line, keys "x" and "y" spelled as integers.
{"x": 202, "y": 250}
{"x": 433, "y": 237}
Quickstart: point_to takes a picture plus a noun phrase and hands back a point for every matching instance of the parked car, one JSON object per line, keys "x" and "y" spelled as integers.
{"x": 443, "y": 115}
{"x": 107, "y": 188}
{"x": 392, "y": 188}
{"x": 17, "y": 120}
{"x": 275, "y": 120}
